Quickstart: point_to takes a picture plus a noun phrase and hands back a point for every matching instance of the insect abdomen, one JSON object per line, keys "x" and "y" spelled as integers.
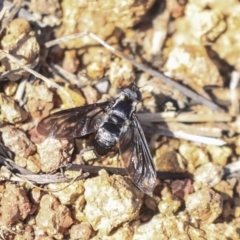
{"x": 106, "y": 138}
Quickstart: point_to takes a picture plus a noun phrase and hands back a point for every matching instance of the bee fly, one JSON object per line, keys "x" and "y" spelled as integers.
{"x": 113, "y": 122}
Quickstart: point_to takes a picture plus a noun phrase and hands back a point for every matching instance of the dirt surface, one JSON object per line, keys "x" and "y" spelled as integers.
{"x": 183, "y": 56}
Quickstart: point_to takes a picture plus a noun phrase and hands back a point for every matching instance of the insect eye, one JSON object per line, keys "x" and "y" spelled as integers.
{"x": 133, "y": 93}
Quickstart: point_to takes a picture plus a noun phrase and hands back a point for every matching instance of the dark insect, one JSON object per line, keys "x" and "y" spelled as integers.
{"x": 113, "y": 122}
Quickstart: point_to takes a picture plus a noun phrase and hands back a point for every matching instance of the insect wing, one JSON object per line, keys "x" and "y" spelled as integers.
{"x": 74, "y": 122}
{"x": 137, "y": 158}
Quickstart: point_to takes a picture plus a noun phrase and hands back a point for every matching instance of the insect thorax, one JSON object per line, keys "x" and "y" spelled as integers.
{"x": 109, "y": 132}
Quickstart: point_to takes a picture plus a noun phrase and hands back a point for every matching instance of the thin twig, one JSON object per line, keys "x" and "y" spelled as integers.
{"x": 235, "y": 78}
{"x": 122, "y": 171}
{"x": 4, "y": 76}
{"x": 20, "y": 91}
{"x": 203, "y": 130}
{"x": 232, "y": 168}
{"x": 189, "y": 93}
{"x": 23, "y": 175}
{"x": 49, "y": 178}
{"x": 37, "y": 179}
{"x": 72, "y": 78}
{"x": 184, "y": 117}
{"x": 11, "y": 15}
{"x": 185, "y": 136}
